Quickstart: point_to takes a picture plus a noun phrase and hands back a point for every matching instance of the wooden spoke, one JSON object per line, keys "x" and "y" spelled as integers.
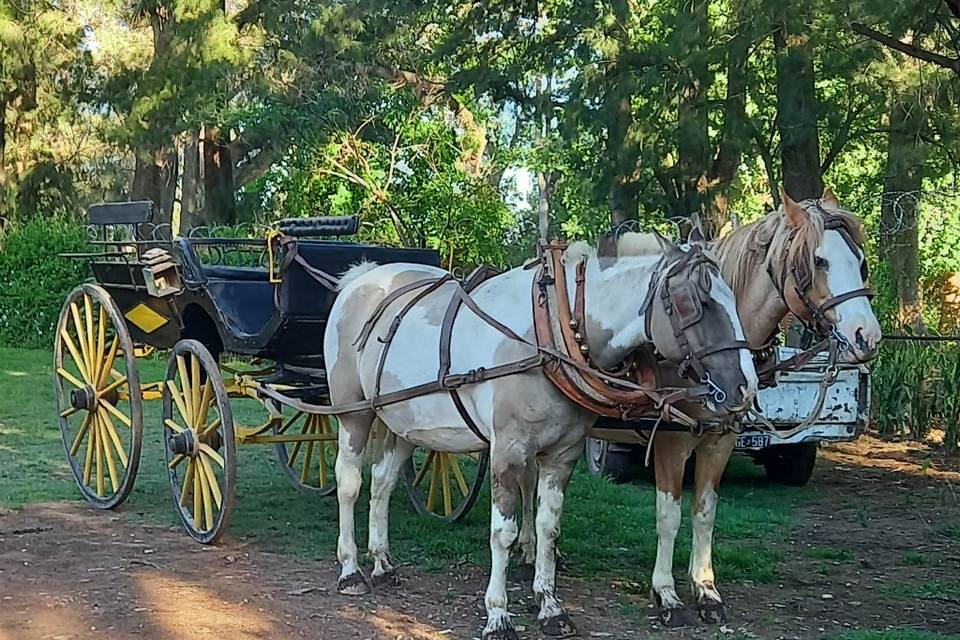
{"x": 69, "y": 377}
{"x": 105, "y": 444}
{"x": 322, "y": 458}
{"x": 187, "y": 482}
{"x": 207, "y": 497}
{"x": 195, "y": 391}
{"x": 289, "y": 422}
{"x": 107, "y": 369}
{"x": 297, "y": 445}
{"x": 111, "y": 431}
{"x": 177, "y": 459}
{"x": 187, "y": 396}
{"x": 101, "y": 342}
{"x": 212, "y": 454}
{"x": 112, "y": 386}
{"x": 81, "y": 335}
{"x": 210, "y": 429}
{"x": 91, "y": 337}
{"x": 427, "y": 464}
{"x": 88, "y": 460}
{"x": 197, "y": 494}
{"x": 78, "y": 439}
{"x": 77, "y": 358}
{"x": 308, "y": 458}
{"x": 434, "y": 476}
{"x": 178, "y": 400}
{"x": 66, "y": 413}
{"x": 98, "y": 451}
{"x": 205, "y": 398}
{"x": 458, "y": 473}
{"x": 116, "y": 412}
{"x": 445, "y": 477}
{"x": 211, "y": 480}
{"x": 173, "y": 426}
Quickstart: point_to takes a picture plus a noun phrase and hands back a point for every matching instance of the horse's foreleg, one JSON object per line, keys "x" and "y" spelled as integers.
{"x": 383, "y": 479}
{"x": 507, "y": 469}
{"x": 554, "y": 476}
{"x": 352, "y": 439}
{"x": 671, "y": 450}
{"x": 712, "y": 456}
{"x": 528, "y": 539}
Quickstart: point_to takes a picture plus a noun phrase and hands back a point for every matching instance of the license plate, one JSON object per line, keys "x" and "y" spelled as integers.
{"x": 753, "y": 441}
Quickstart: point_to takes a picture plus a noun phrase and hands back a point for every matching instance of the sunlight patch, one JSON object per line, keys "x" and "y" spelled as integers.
{"x": 16, "y": 374}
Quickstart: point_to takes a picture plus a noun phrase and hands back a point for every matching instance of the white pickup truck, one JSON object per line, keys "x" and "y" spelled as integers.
{"x": 788, "y": 458}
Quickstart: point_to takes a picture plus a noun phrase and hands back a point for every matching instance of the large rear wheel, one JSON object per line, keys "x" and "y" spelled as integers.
{"x": 98, "y": 396}
{"x": 445, "y": 485}
{"x": 199, "y": 442}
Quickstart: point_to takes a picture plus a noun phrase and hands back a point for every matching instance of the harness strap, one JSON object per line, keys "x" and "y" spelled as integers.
{"x": 364, "y": 334}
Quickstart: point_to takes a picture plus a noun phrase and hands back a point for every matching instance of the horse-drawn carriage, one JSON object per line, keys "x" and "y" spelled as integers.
{"x": 245, "y": 318}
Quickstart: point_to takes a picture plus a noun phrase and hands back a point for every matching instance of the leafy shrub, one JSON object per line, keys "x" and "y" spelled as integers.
{"x": 916, "y": 387}
{"x": 33, "y": 281}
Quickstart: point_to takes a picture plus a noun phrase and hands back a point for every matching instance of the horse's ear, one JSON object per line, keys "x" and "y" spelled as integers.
{"x": 796, "y": 215}
{"x": 607, "y": 249}
{"x": 696, "y": 236}
{"x": 828, "y": 199}
{"x": 666, "y": 245}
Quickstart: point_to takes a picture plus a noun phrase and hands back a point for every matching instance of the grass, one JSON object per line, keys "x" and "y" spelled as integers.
{"x": 609, "y": 531}
{"x": 833, "y": 554}
{"x": 929, "y": 590}
{"x": 913, "y": 559}
{"x": 895, "y": 634}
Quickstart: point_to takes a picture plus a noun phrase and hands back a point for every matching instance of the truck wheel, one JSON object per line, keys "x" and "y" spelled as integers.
{"x": 790, "y": 464}
{"x": 602, "y": 460}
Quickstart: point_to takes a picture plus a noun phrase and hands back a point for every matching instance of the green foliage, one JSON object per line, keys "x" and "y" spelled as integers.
{"x": 34, "y": 282}
{"x": 916, "y": 387}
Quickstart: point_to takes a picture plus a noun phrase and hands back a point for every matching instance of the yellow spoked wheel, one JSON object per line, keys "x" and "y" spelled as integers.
{"x": 100, "y": 419}
{"x": 445, "y": 485}
{"x": 308, "y": 458}
{"x": 199, "y": 441}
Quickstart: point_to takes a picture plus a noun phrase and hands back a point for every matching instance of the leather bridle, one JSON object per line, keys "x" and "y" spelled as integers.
{"x": 814, "y": 316}
{"x": 678, "y": 295}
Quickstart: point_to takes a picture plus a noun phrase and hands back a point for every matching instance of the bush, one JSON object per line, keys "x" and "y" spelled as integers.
{"x": 33, "y": 281}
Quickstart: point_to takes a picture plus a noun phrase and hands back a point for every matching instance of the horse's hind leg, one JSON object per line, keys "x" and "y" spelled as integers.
{"x": 712, "y": 455}
{"x": 555, "y": 470}
{"x": 670, "y": 453}
{"x": 388, "y": 462}
{"x": 507, "y": 467}
{"x": 528, "y": 539}
{"x": 352, "y": 439}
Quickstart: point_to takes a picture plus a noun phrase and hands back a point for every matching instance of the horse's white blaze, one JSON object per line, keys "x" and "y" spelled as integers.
{"x": 701, "y": 555}
{"x": 723, "y": 295}
{"x": 668, "y": 523}
{"x": 843, "y": 275}
{"x": 549, "y": 509}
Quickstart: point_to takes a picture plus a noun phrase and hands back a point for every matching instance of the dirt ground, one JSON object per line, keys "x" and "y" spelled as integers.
{"x": 67, "y": 571}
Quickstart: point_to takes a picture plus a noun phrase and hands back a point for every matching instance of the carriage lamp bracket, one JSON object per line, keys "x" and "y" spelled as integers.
{"x": 160, "y": 274}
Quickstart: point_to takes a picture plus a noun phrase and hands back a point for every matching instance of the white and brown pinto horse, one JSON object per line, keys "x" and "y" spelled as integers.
{"x": 804, "y": 259}
{"x": 526, "y": 419}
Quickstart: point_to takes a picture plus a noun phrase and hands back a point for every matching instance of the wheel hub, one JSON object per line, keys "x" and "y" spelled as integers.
{"x": 85, "y": 398}
{"x": 183, "y": 443}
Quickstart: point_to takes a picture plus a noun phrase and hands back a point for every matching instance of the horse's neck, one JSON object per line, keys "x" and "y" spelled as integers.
{"x": 612, "y": 301}
{"x": 760, "y": 307}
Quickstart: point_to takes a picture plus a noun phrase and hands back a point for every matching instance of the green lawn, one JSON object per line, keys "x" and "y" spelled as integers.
{"x": 608, "y": 530}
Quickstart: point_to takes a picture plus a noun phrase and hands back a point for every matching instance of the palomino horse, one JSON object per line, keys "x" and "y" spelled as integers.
{"x": 525, "y": 417}
{"x": 806, "y": 259}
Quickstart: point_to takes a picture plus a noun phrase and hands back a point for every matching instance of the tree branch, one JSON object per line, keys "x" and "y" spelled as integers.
{"x": 839, "y": 140}
{"x": 903, "y": 47}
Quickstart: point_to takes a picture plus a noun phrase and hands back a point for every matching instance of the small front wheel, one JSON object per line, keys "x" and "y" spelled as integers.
{"x": 199, "y": 442}
{"x": 309, "y": 456}
{"x": 604, "y": 460}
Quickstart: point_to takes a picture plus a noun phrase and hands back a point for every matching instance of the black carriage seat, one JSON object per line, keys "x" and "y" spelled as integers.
{"x": 137, "y": 212}
{"x": 320, "y": 226}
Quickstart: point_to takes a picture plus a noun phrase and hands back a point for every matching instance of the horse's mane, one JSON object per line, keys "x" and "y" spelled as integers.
{"x": 755, "y": 245}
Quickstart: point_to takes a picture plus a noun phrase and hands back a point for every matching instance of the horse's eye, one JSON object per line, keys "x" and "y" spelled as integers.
{"x": 819, "y": 263}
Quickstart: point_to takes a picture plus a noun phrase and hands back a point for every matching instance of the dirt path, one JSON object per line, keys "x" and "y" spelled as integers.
{"x": 871, "y": 553}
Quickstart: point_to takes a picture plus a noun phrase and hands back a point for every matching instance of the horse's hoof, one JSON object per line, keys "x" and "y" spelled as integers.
{"x": 353, "y": 585}
{"x": 504, "y": 633}
{"x": 388, "y": 578}
{"x": 675, "y": 617}
{"x": 560, "y": 626}
{"x": 712, "y": 611}
{"x": 525, "y": 572}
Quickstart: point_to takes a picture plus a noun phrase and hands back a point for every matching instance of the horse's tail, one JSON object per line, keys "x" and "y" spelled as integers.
{"x": 355, "y": 272}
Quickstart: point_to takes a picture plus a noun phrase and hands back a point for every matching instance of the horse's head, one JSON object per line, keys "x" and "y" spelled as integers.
{"x": 692, "y": 319}
{"x": 821, "y": 274}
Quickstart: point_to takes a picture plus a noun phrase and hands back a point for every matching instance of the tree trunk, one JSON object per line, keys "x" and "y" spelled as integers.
{"x": 219, "y": 204}
{"x": 3, "y": 151}
{"x": 797, "y": 104}
{"x": 622, "y": 192}
{"x": 693, "y": 139}
{"x": 903, "y": 179}
{"x": 155, "y": 179}
{"x": 191, "y": 182}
